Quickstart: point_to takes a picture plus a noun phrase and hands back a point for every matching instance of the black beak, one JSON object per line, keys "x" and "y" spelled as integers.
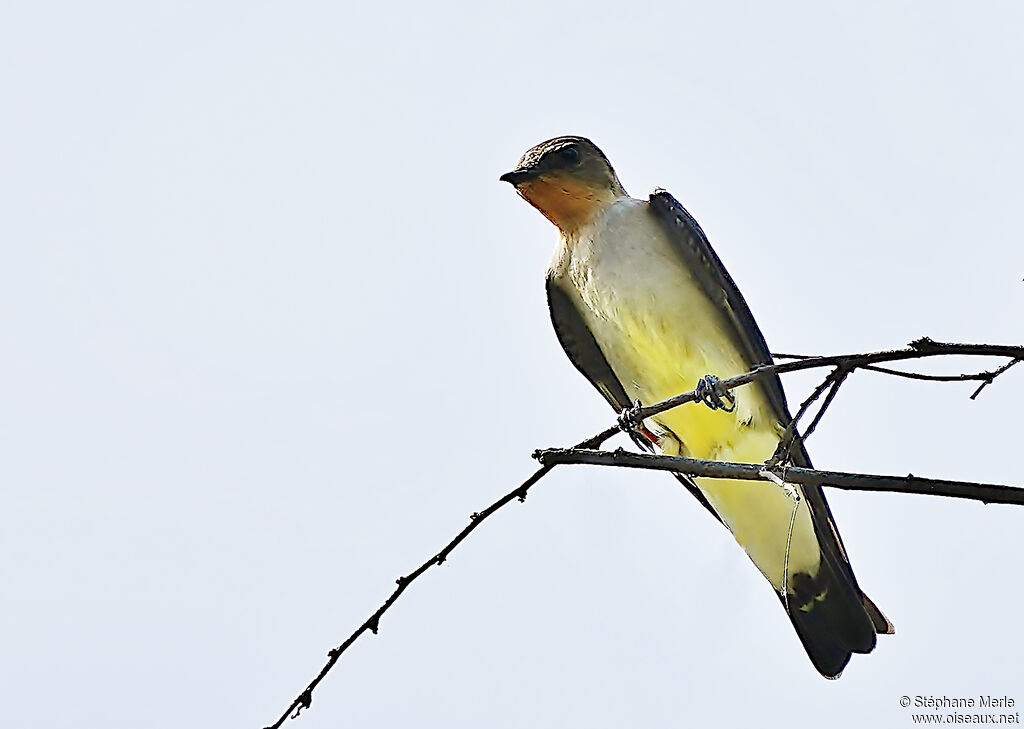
{"x": 516, "y": 176}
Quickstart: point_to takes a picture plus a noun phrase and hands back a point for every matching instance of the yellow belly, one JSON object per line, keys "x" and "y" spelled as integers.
{"x": 659, "y": 359}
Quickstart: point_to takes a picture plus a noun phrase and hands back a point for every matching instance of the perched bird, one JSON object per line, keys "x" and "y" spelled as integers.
{"x": 645, "y": 310}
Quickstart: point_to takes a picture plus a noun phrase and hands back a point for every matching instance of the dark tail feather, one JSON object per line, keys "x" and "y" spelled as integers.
{"x": 882, "y": 624}
{"x": 833, "y": 618}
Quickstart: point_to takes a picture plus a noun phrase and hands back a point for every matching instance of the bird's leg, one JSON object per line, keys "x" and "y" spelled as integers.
{"x": 711, "y": 393}
{"x": 632, "y": 425}
{"x": 629, "y": 418}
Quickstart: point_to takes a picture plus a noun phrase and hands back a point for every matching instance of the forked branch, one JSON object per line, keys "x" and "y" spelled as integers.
{"x": 842, "y": 366}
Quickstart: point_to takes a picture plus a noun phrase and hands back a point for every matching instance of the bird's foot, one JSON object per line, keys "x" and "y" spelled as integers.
{"x": 711, "y": 392}
{"x": 629, "y": 418}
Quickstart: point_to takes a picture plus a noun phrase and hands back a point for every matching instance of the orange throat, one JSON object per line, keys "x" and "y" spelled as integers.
{"x": 569, "y": 204}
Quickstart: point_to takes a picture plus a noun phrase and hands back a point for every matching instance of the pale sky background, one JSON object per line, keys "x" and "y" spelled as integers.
{"x": 271, "y": 329}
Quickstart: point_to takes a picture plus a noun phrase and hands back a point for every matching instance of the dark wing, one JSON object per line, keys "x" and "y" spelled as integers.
{"x": 584, "y": 352}
{"x": 700, "y": 258}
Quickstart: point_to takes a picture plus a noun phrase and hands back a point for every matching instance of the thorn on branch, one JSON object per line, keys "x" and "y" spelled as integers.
{"x": 712, "y": 393}
{"x": 716, "y": 395}
{"x": 521, "y": 495}
{"x": 304, "y": 701}
{"x": 619, "y": 452}
{"x": 923, "y": 344}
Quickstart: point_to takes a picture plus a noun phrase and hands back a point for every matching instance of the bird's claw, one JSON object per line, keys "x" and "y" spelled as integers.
{"x": 629, "y": 418}
{"x": 711, "y": 393}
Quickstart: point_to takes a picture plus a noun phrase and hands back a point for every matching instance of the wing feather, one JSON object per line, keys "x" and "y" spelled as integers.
{"x": 700, "y": 258}
{"x": 586, "y": 355}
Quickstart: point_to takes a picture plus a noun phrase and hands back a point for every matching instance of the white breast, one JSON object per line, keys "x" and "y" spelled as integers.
{"x": 656, "y": 326}
{"x": 661, "y": 334}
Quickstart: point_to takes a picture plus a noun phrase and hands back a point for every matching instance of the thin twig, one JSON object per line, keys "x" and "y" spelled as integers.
{"x": 909, "y": 484}
{"x": 919, "y": 348}
{"x": 791, "y": 436}
{"x": 372, "y": 624}
{"x": 837, "y": 382}
{"x": 985, "y": 376}
{"x": 988, "y": 380}
{"x": 584, "y": 453}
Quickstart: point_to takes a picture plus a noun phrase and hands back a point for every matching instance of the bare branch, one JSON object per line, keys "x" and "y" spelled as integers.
{"x": 372, "y": 623}
{"x": 791, "y": 436}
{"x": 988, "y": 380}
{"x": 918, "y": 349}
{"x": 584, "y": 453}
{"x": 836, "y": 384}
{"x": 910, "y": 484}
{"x": 985, "y": 376}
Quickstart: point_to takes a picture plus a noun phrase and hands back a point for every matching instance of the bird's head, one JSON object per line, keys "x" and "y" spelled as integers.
{"x": 568, "y": 179}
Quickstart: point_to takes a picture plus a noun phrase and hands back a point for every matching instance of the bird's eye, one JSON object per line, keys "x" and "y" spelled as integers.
{"x": 569, "y": 155}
